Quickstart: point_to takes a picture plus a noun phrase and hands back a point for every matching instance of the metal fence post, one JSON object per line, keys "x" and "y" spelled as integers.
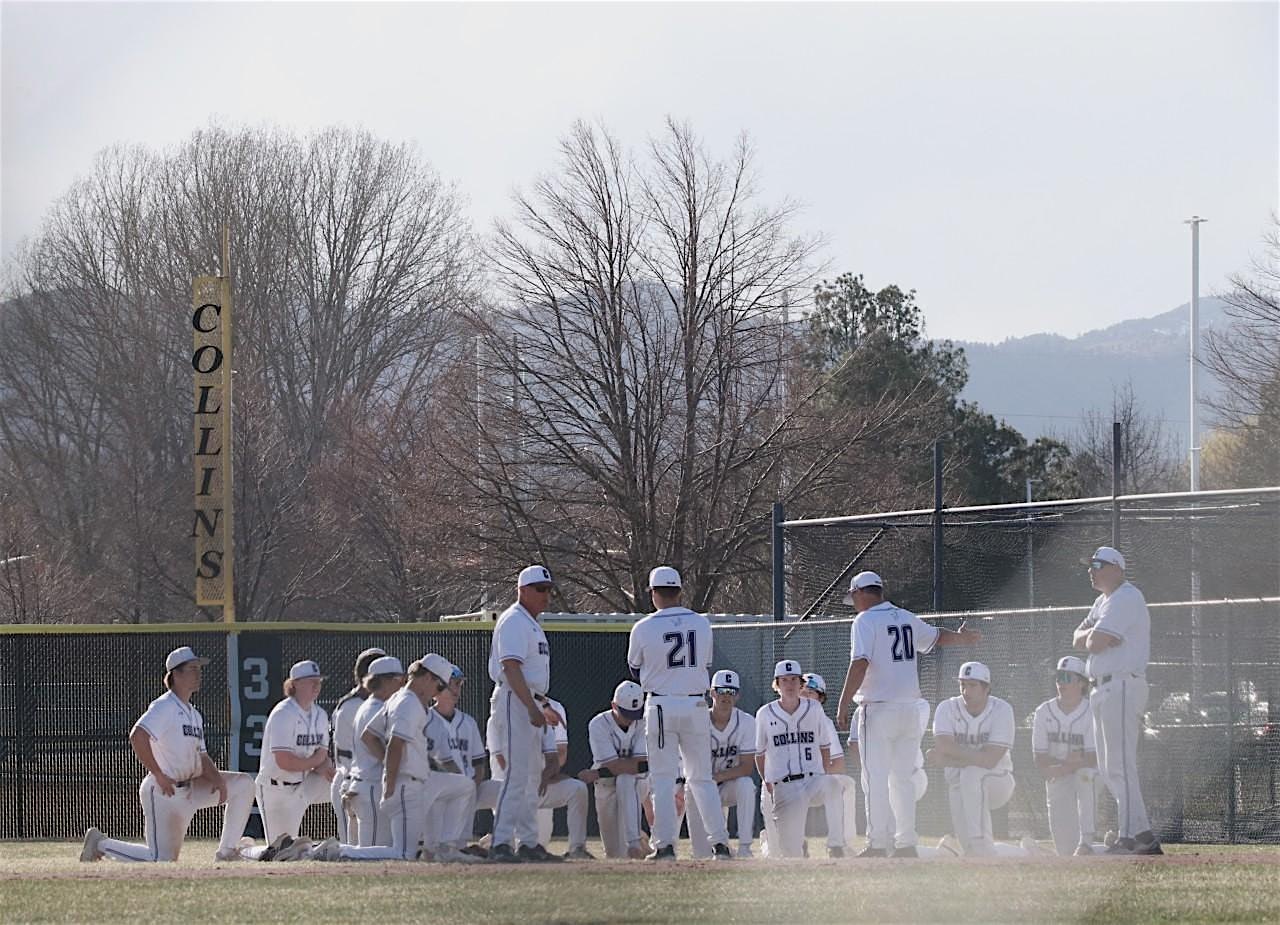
{"x": 779, "y": 563}
{"x": 1116, "y": 479}
{"x": 937, "y": 526}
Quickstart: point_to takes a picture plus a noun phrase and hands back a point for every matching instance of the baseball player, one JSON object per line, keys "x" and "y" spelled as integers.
{"x": 454, "y": 748}
{"x": 1063, "y": 745}
{"x": 181, "y": 778}
{"x": 520, "y": 667}
{"x": 814, "y": 687}
{"x": 343, "y": 736}
{"x": 919, "y": 778}
{"x": 363, "y": 794}
{"x": 619, "y": 771}
{"x": 1117, "y": 636}
{"x": 733, "y": 749}
{"x": 973, "y": 735}
{"x": 791, "y": 760}
{"x": 884, "y": 680}
{"x": 669, "y": 652}
{"x": 559, "y": 790}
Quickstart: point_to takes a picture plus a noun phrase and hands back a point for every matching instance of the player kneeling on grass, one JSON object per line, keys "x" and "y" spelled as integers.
{"x": 456, "y": 751}
{"x": 972, "y": 736}
{"x": 1063, "y": 745}
{"x": 362, "y": 793}
{"x": 792, "y": 760}
{"x": 181, "y": 778}
{"x": 343, "y": 736}
{"x": 619, "y": 771}
{"x": 733, "y": 748}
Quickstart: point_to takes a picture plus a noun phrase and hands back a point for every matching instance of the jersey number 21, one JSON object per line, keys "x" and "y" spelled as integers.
{"x": 679, "y": 642}
{"x": 902, "y": 646}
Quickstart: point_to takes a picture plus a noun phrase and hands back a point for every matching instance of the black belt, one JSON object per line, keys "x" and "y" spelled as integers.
{"x": 182, "y": 783}
{"x": 285, "y": 783}
{"x": 655, "y": 694}
{"x": 1106, "y": 678}
{"x": 343, "y": 753}
{"x": 680, "y": 780}
{"x": 790, "y": 777}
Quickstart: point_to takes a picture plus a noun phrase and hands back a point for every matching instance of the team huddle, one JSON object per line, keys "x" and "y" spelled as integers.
{"x": 406, "y": 770}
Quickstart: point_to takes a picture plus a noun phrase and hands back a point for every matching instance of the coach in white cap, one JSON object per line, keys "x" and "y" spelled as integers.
{"x": 669, "y": 652}
{"x": 520, "y": 667}
{"x": 884, "y": 680}
{"x": 1117, "y": 636}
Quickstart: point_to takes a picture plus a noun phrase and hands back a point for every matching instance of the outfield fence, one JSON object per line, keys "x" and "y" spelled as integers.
{"x": 68, "y": 698}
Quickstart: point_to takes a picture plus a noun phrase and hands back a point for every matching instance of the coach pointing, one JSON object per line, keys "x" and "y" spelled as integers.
{"x": 520, "y": 667}
{"x": 1117, "y": 636}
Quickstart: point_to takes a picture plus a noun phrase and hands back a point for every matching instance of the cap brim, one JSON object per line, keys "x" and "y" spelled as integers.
{"x": 631, "y": 714}
{"x": 198, "y": 660}
{"x": 848, "y": 598}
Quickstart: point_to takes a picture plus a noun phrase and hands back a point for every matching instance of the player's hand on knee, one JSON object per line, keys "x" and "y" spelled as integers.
{"x": 220, "y": 785}
{"x": 589, "y": 776}
{"x": 165, "y": 783}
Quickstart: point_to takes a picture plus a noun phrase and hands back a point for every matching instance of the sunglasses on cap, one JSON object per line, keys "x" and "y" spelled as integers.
{"x": 1067, "y": 677}
{"x": 456, "y": 674}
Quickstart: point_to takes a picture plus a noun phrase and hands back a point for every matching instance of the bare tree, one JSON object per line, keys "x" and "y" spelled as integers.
{"x": 1150, "y": 455}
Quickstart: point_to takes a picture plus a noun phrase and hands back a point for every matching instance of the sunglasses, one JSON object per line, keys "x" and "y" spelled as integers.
{"x": 542, "y": 589}
{"x": 1067, "y": 677}
{"x": 726, "y": 690}
{"x": 1097, "y": 565}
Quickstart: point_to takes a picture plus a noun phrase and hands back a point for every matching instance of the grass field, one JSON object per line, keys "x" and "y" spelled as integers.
{"x": 46, "y": 882}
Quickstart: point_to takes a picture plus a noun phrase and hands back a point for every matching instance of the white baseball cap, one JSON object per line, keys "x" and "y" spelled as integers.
{"x": 305, "y": 669}
{"x": 975, "y": 671}
{"x": 180, "y": 656}
{"x": 534, "y": 575}
{"x": 628, "y": 697}
{"x": 860, "y": 581}
{"x": 1073, "y": 664}
{"x": 815, "y": 682}
{"x": 664, "y": 576}
{"x": 788, "y": 666}
{"x": 387, "y": 664}
{"x": 726, "y": 678}
{"x": 438, "y": 665}
{"x": 1108, "y": 554}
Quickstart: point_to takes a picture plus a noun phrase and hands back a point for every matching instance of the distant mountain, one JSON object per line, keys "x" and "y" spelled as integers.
{"x": 1042, "y": 383}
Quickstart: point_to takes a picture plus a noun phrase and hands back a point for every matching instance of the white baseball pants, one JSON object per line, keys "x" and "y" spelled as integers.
{"x": 453, "y": 811}
{"x": 166, "y": 818}
{"x": 406, "y": 809}
{"x": 282, "y": 806}
{"x": 788, "y": 810}
{"x": 1072, "y": 802}
{"x": 739, "y": 792}
{"x": 888, "y": 741}
{"x": 973, "y": 793}
{"x": 619, "y": 809}
{"x": 570, "y": 793}
{"x": 515, "y": 816}
{"x": 370, "y": 823}
{"x": 1117, "y": 725}
{"x": 678, "y": 733}
{"x": 341, "y": 810}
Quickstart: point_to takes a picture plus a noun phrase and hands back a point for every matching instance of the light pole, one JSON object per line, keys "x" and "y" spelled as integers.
{"x": 1031, "y": 548}
{"x": 1194, "y": 438}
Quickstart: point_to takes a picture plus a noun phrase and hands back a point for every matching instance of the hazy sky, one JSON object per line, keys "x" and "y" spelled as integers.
{"x": 1026, "y": 167}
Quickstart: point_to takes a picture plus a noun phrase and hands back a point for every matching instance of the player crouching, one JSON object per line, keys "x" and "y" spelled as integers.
{"x": 733, "y": 745}
{"x": 619, "y": 771}
{"x": 1062, "y": 741}
{"x": 791, "y": 761}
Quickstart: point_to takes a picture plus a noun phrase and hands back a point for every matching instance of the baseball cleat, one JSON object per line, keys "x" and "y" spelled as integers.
{"x": 835, "y": 851}
{"x": 722, "y": 852}
{"x": 502, "y": 854}
{"x": 869, "y": 852}
{"x": 1031, "y": 846}
{"x": 1121, "y": 846}
{"x": 579, "y": 853}
{"x": 636, "y": 853}
{"x": 278, "y": 844}
{"x": 476, "y": 851}
{"x": 744, "y": 852}
{"x": 90, "y": 850}
{"x": 328, "y": 850}
{"x": 447, "y": 854}
{"x": 906, "y": 851}
{"x": 1109, "y": 839}
{"x": 1146, "y": 843}
{"x": 537, "y": 854}
{"x": 662, "y": 854}
{"x": 298, "y": 849}
{"x": 227, "y": 854}
{"x": 949, "y": 844}
{"x": 1083, "y": 851}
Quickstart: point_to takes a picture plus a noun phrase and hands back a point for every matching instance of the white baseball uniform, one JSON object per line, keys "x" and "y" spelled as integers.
{"x": 1119, "y": 698}
{"x": 454, "y": 739}
{"x": 518, "y": 637}
{"x": 919, "y": 778}
{"x": 176, "y": 731}
{"x": 283, "y": 796}
{"x": 889, "y": 638}
{"x": 791, "y": 744}
{"x": 343, "y": 737}
{"x": 730, "y": 747}
{"x": 371, "y": 825}
{"x": 1072, "y": 797}
{"x": 975, "y": 791}
{"x": 670, "y": 653}
{"x": 618, "y": 799}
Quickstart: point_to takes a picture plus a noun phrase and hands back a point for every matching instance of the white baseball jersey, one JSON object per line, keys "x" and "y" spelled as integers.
{"x": 455, "y": 739}
{"x": 790, "y": 742}
{"x": 559, "y": 733}
{"x": 670, "y": 651}
{"x": 291, "y": 729}
{"x": 735, "y": 743}
{"x": 177, "y": 735}
{"x": 1058, "y": 734}
{"x": 407, "y": 721}
{"x": 344, "y": 729}
{"x": 519, "y": 637}
{"x": 370, "y": 717}
{"x": 610, "y": 741}
{"x": 831, "y": 739}
{"x": 1124, "y": 615}
{"x": 993, "y": 726}
{"x": 889, "y": 638}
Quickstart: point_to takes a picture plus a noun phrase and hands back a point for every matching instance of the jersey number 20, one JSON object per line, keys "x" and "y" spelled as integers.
{"x": 676, "y": 657}
{"x": 902, "y": 647}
